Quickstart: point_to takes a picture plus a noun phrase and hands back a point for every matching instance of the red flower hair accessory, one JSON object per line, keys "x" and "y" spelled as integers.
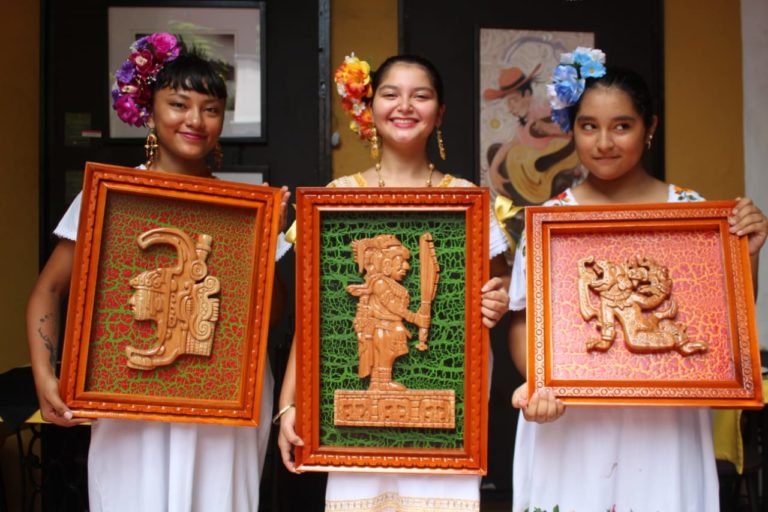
{"x": 132, "y": 90}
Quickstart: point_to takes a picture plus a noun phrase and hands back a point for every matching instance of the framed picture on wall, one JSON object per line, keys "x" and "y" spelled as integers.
{"x": 641, "y": 305}
{"x": 252, "y": 174}
{"x": 170, "y": 298}
{"x": 392, "y": 356}
{"x": 524, "y": 156}
{"x": 232, "y": 35}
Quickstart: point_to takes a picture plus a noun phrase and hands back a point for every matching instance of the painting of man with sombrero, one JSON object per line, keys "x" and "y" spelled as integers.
{"x": 524, "y": 156}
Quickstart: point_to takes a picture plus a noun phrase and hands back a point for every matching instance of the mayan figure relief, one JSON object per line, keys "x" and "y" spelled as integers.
{"x": 382, "y": 338}
{"x": 637, "y": 293}
{"x": 178, "y": 299}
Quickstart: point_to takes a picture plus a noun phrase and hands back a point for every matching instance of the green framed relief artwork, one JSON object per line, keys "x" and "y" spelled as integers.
{"x": 392, "y": 356}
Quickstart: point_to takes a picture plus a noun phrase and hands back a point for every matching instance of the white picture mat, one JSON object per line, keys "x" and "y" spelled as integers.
{"x": 251, "y": 178}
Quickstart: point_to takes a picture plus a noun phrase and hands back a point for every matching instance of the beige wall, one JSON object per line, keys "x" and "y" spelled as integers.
{"x": 703, "y": 121}
{"x": 19, "y": 86}
{"x": 370, "y": 30}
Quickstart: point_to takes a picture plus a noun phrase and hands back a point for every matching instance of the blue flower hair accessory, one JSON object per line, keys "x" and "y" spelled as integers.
{"x": 568, "y": 81}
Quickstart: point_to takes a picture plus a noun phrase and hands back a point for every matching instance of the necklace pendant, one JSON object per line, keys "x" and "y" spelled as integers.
{"x": 428, "y": 182}
{"x": 377, "y": 167}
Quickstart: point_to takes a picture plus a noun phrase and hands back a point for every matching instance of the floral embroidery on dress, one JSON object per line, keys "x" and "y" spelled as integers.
{"x": 684, "y": 195}
{"x": 391, "y": 501}
{"x": 557, "y": 509}
{"x": 561, "y": 199}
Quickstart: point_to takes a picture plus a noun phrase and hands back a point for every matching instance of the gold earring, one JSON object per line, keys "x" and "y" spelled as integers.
{"x": 374, "y": 144}
{"x": 151, "y": 148}
{"x": 218, "y": 157}
{"x": 648, "y": 142}
{"x": 440, "y": 143}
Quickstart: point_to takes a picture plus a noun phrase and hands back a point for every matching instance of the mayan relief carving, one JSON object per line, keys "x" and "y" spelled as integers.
{"x": 178, "y": 299}
{"x": 382, "y": 338}
{"x": 637, "y": 294}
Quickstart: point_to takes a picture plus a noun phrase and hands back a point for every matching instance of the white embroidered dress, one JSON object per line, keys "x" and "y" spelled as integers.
{"x": 615, "y": 459}
{"x": 152, "y": 466}
{"x": 388, "y": 492}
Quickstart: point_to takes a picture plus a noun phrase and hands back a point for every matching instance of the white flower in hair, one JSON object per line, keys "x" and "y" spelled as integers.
{"x": 598, "y": 55}
{"x": 594, "y": 54}
{"x": 554, "y": 100}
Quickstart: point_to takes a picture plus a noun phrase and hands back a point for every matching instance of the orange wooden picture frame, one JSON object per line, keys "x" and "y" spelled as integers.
{"x": 328, "y": 220}
{"x": 711, "y": 288}
{"x": 120, "y": 204}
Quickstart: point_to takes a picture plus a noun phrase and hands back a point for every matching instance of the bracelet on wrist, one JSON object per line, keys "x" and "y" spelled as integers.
{"x": 276, "y": 417}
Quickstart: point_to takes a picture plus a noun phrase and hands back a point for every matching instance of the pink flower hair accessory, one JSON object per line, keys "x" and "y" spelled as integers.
{"x": 132, "y": 90}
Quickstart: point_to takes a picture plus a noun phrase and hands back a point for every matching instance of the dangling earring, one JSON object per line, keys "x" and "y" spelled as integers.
{"x": 218, "y": 157}
{"x": 440, "y": 143}
{"x": 151, "y": 148}
{"x": 648, "y": 142}
{"x": 374, "y": 144}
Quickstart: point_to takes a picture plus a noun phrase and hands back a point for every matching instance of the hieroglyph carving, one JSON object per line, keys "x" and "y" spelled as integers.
{"x": 177, "y": 298}
{"x": 382, "y": 337}
{"x": 625, "y": 291}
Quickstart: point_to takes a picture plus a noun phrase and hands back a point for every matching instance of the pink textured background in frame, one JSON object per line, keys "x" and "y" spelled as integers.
{"x": 692, "y": 256}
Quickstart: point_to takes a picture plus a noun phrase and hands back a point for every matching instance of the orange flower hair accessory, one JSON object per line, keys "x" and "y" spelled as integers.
{"x": 353, "y": 83}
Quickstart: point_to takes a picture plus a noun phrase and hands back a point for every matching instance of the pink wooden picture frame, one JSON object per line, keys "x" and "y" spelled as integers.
{"x": 641, "y": 305}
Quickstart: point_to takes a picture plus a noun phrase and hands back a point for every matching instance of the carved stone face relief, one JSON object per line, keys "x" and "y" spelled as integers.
{"x": 141, "y": 303}
{"x": 178, "y": 299}
{"x": 638, "y": 294}
{"x": 382, "y": 337}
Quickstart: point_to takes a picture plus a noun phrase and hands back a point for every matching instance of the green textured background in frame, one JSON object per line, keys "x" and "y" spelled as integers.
{"x": 440, "y": 367}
